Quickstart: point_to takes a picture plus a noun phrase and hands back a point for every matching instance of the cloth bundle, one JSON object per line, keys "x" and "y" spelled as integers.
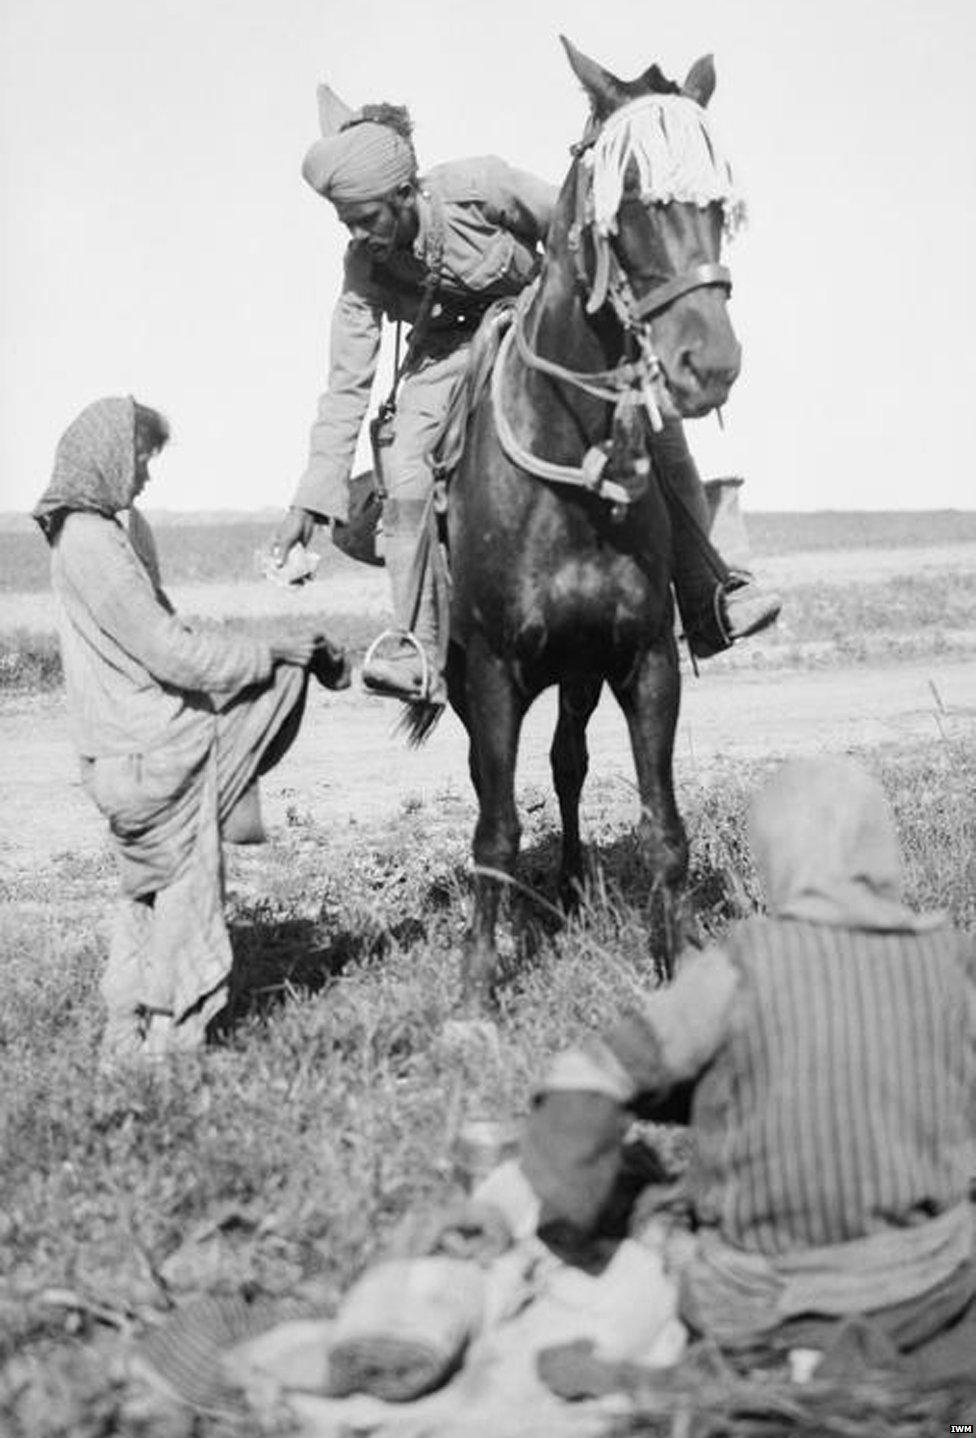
{"x": 297, "y": 568}
{"x": 627, "y": 1312}
{"x": 404, "y": 1326}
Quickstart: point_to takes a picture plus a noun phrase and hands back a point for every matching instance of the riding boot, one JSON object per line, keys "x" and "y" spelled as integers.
{"x": 717, "y": 604}
{"x": 403, "y": 661}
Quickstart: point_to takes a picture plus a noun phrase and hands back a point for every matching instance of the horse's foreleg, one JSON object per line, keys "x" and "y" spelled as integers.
{"x": 649, "y": 700}
{"x": 457, "y": 692}
{"x": 494, "y": 712}
{"x": 570, "y": 760}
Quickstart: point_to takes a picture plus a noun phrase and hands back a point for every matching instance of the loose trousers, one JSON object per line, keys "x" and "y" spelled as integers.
{"x": 169, "y": 951}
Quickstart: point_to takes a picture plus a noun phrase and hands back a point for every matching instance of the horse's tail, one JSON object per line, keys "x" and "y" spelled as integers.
{"x": 417, "y": 722}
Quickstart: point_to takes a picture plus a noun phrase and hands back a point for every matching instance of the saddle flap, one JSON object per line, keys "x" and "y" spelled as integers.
{"x": 445, "y": 452}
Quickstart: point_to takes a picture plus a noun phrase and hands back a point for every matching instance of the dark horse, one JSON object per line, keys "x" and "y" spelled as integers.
{"x": 559, "y": 537}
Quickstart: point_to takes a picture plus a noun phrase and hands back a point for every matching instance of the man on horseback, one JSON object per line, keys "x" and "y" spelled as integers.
{"x": 435, "y": 252}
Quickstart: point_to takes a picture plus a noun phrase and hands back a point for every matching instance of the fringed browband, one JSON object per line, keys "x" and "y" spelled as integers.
{"x": 667, "y": 138}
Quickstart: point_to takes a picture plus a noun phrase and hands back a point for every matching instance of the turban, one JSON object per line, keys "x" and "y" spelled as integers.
{"x": 363, "y": 162}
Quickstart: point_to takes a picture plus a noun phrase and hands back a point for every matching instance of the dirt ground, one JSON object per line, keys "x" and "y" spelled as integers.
{"x": 348, "y": 774}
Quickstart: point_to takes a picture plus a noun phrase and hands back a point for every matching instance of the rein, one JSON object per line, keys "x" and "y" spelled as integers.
{"x": 588, "y": 475}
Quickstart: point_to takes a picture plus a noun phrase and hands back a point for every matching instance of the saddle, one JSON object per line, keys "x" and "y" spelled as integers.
{"x": 448, "y": 445}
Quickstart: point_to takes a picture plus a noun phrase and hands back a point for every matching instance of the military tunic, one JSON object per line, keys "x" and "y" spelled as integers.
{"x": 488, "y": 220}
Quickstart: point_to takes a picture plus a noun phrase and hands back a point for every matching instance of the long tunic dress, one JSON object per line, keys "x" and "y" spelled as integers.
{"x": 172, "y": 725}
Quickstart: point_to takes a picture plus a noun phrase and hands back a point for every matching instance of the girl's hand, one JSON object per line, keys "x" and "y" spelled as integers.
{"x": 294, "y": 651}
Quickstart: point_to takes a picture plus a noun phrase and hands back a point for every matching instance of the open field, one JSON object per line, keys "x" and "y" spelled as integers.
{"x": 279, "y": 1161}
{"x": 858, "y": 589}
{"x": 194, "y": 550}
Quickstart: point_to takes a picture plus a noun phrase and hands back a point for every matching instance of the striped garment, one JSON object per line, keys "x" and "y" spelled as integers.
{"x": 841, "y": 1101}
{"x": 829, "y": 1051}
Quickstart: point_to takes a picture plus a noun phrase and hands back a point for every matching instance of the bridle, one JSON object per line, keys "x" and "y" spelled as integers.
{"x": 631, "y": 382}
{"x": 610, "y": 279}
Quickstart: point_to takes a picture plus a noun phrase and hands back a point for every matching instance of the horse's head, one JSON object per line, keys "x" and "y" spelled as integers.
{"x": 653, "y": 197}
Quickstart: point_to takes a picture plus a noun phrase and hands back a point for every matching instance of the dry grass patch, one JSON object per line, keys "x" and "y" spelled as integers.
{"x": 278, "y": 1161}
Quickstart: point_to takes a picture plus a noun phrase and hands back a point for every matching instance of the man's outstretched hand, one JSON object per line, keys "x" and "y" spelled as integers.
{"x": 297, "y": 527}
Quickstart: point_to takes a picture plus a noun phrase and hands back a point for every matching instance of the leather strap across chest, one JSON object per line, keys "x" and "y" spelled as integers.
{"x": 434, "y": 260}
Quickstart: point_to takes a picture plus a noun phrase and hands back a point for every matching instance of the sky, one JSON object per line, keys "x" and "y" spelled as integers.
{"x": 156, "y": 237}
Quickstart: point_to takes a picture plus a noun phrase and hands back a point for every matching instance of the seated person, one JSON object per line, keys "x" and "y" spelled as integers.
{"x": 173, "y": 725}
{"x": 827, "y": 1052}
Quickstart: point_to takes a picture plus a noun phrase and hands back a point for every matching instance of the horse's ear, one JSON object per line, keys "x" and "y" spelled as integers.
{"x": 700, "y": 81}
{"x": 605, "y": 90}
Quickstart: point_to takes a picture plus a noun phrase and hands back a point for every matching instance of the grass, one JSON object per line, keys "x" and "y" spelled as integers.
{"x": 280, "y": 1160}
{"x": 192, "y": 551}
{"x": 784, "y": 533}
{"x": 922, "y": 604}
{"x": 823, "y": 624}
{"x": 189, "y": 553}
{"x": 29, "y": 661}
{"x": 882, "y": 621}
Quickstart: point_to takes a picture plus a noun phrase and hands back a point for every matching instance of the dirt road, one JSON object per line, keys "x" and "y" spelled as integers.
{"x": 347, "y": 773}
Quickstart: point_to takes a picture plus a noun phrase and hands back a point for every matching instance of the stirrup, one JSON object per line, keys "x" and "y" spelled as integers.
{"x": 720, "y": 616}
{"x": 724, "y": 616}
{"x": 400, "y": 635}
{"x": 737, "y": 579}
{"x": 713, "y": 634}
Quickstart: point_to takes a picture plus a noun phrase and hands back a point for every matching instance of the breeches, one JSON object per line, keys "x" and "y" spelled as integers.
{"x": 422, "y": 404}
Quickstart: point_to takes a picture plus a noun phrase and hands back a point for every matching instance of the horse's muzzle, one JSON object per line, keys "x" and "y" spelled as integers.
{"x": 697, "y": 385}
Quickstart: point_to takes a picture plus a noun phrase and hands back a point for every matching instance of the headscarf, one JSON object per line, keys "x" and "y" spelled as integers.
{"x": 364, "y": 161}
{"x": 94, "y": 465}
{"x": 824, "y": 841}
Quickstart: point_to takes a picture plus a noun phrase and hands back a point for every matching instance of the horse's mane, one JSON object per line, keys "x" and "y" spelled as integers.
{"x": 653, "y": 81}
